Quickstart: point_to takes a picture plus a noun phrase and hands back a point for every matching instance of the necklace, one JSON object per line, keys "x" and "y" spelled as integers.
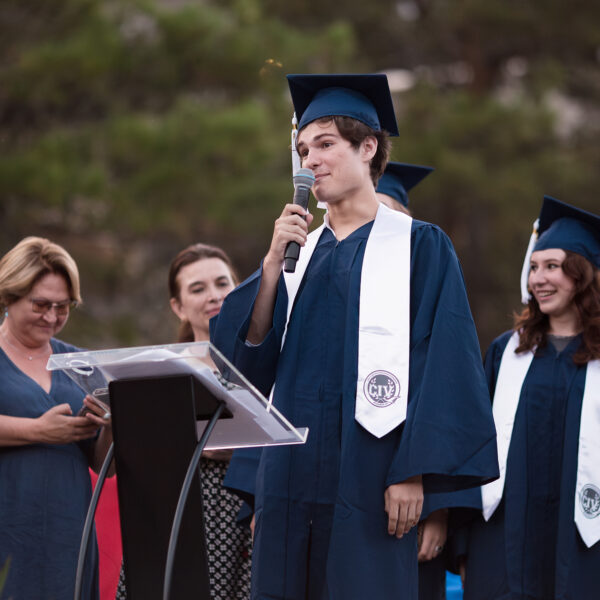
{"x": 19, "y": 351}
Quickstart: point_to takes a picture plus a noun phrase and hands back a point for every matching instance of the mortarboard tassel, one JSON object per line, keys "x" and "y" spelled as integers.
{"x": 525, "y": 297}
{"x": 295, "y": 157}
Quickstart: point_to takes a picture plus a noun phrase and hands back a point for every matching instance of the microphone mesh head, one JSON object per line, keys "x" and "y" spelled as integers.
{"x": 304, "y": 178}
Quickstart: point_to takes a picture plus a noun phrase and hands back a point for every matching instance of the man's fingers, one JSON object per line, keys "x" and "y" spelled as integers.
{"x": 288, "y": 231}
{"x": 411, "y": 519}
{"x": 392, "y": 521}
{"x": 291, "y": 208}
{"x": 294, "y": 233}
{"x": 414, "y": 515}
{"x": 404, "y": 502}
{"x": 402, "y": 520}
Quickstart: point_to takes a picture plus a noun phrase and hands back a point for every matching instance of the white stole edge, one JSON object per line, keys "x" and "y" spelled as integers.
{"x": 512, "y": 373}
{"x": 588, "y": 459}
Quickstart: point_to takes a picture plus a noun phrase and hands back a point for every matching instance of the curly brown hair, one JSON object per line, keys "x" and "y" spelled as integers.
{"x": 355, "y": 132}
{"x": 533, "y": 325}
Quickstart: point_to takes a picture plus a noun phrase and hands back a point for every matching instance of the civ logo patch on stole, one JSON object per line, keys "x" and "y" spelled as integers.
{"x": 381, "y": 388}
{"x": 589, "y": 499}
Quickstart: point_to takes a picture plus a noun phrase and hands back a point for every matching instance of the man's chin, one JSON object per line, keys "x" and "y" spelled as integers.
{"x": 326, "y": 199}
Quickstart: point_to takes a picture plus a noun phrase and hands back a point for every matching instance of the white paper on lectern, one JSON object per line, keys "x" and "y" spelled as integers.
{"x": 255, "y": 422}
{"x": 154, "y": 362}
{"x": 246, "y": 409}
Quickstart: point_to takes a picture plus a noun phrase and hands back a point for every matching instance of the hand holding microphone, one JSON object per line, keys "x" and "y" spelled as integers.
{"x": 289, "y": 234}
{"x": 303, "y": 181}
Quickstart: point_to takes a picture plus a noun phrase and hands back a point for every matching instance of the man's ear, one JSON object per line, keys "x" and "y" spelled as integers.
{"x": 369, "y": 147}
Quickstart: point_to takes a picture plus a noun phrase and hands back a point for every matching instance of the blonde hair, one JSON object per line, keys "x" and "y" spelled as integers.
{"x": 25, "y": 264}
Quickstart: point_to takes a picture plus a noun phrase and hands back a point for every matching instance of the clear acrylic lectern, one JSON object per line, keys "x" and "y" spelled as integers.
{"x": 168, "y": 403}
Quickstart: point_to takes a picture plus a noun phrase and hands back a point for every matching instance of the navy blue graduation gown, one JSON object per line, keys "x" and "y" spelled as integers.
{"x": 530, "y": 548}
{"x": 432, "y": 579}
{"x": 321, "y": 528}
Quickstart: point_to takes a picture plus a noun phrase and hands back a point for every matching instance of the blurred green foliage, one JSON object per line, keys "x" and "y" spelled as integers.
{"x": 130, "y": 128}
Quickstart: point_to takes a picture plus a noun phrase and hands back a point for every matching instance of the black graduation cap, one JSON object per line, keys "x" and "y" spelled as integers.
{"x": 569, "y": 228}
{"x": 398, "y": 178}
{"x": 366, "y": 98}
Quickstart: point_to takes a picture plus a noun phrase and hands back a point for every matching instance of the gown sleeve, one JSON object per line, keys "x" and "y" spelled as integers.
{"x": 449, "y": 436}
{"x": 467, "y": 504}
{"x": 258, "y": 363}
{"x": 493, "y": 358}
{"x": 241, "y": 474}
{"x": 228, "y": 331}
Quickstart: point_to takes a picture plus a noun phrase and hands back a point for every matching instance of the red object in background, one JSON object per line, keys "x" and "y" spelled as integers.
{"x": 108, "y": 532}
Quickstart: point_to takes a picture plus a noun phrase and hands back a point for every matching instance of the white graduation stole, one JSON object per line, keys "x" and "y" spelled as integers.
{"x": 513, "y": 370}
{"x": 587, "y": 488}
{"x": 384, "y": 319}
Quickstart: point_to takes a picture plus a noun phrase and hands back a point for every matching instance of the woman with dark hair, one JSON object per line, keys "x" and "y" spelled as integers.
{"x": 191, "y": 298}
{"x": 200, "y": 277}
{"x": 538, "y": 537}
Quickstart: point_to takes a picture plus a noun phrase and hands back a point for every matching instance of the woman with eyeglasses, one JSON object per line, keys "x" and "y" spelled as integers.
{"x": 46, "y": 446}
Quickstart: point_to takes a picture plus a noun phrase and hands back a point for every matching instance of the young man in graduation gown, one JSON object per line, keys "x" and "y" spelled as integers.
{"x": 377, "y": 300}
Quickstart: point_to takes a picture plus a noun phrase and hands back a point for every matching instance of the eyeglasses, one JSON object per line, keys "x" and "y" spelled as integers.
{"x": 43, "y": 306}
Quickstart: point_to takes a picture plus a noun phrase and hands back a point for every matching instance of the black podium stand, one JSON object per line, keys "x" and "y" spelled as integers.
{"x": 154, "y": 429}
{"x": 167, "y": 405}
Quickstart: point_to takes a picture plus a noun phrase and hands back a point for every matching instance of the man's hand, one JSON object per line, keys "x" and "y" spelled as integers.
{"x": 434, "y": 533}
{"x": 403, "y": 505}
{"x": 291, "y": 226}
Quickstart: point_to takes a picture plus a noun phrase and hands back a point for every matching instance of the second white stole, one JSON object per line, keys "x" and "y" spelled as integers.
{"x": 512, "y": 373}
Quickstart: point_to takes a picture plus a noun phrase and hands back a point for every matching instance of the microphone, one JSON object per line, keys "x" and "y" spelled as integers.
{"x": 303, "y": 181}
